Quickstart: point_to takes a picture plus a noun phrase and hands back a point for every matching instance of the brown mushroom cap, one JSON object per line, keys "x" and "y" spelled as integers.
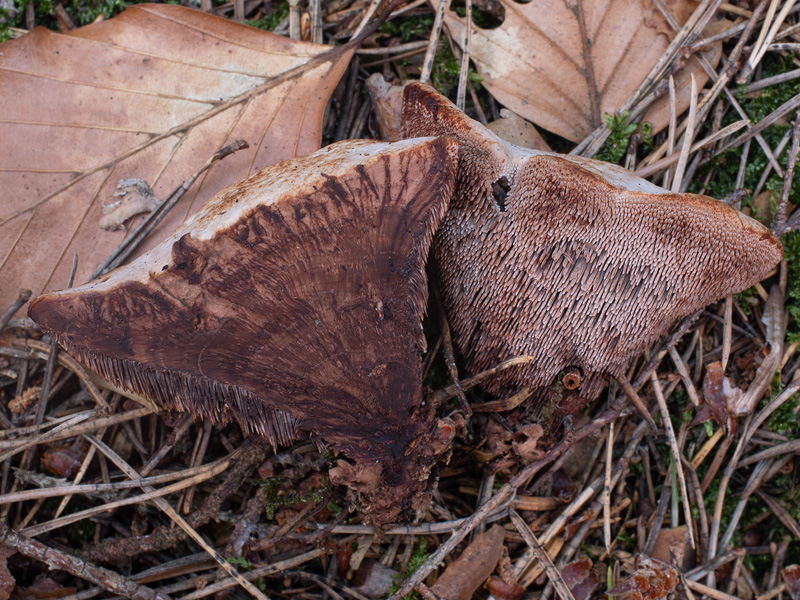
{"x": 292, "y": 301}
{"x": 574, "y": 261}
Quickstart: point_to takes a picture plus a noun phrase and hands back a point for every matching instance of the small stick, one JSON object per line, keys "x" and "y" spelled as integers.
{"x": 24, "y": 296}
{"x": 462, "y": 76}
{"x": 776, "y": 591}
{"x": 294, "y": 19}
{"x": 430, "y": 55}
{"x": 780, "y": 112}
{"x": 504, "y": 495}
{"x": 451, "y": 391}
{"x": 701, "y": 509}
{"x": 449, "y": 354}
{"x": 765, "y": 40}
{"x": 688, "y": 136}
{"x": 315, "y": 8}
{"x": 544, "y": 558}
{"x": 676, "y": 455}
{"x": 708, "y": 591}
{"x": 422, "y": 589}
{"x": 684, "y": 373}
{"x": 637, "y": 402}
{"x": 791, "y": 447}
{"x": 154, "y": 495}
{"x": 238, "y": 10}
{"x": 58, "y": 560}
{"x": 779, "y": 224}
{"x": 162, "y": 504}
{"x": 373, "y": 6}
{"x": 505, "y": 404}
{"x": 727, "y": 332}
{"x": 607, "y": 489}
{"x": 706, "y": 448}
{"x": 673, "y": 126}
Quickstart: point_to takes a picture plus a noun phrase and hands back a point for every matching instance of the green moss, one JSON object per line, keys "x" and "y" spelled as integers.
{"x": 271, "y": 488}
{"x": 783, "y": 420}
{"x": 447, "y": 69}
{"x": 482, "y": 19}
{"x": 408, "y": 28}
{"x": 241, "y": 562}
{"x": 280, "y": 10}
{"x": 791, "y": 250}
{"x": 419, "y": 556}
{"x": 617, "y": 143}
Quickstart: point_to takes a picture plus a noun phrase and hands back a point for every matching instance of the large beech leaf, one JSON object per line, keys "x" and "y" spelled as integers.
{"x": 151, "y": 94}
{"x": 564, "y": 63}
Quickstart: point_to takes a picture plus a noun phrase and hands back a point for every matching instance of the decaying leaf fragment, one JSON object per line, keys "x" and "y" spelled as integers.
{"x": 292, "y": 301}
{"x": 652, "y": 580}
{"x": 150, "y": 94}
{"x": 570, "y": 260}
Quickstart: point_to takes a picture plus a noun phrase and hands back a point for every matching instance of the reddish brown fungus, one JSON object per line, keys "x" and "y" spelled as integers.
{"x": 291, "y": 302}
{"x": 574, "y": 261}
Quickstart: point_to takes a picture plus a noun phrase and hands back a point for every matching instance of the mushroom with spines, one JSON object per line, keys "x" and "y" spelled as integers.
{"x": 576, "y": 262}
{"x": 292, "y": 301}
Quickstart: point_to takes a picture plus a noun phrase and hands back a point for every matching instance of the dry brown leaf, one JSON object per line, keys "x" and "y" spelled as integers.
{"x": 674, "y": 547}
{"x": 581, "y": 578}
{"x": 652, "y": 580}
{"x": 7, "y": 582}
{"x": 791, "y": 575}
{"x": 563, "y": 65}
{"x": 151, "y": 94}
{"x": 467, "y": 573}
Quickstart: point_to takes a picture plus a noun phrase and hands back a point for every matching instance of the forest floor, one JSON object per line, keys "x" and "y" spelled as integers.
{"x": 598, "y": 502}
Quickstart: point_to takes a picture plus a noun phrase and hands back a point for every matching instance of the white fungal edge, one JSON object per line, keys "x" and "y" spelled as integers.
{"x": 285, "y": 180}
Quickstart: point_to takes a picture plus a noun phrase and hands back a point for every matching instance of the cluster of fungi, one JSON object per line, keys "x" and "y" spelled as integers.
{"x": 293, "y": 301}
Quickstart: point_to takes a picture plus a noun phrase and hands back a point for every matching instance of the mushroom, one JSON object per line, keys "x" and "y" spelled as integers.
{"x": 573, "y": 261}
{"x": 292, "y": 301}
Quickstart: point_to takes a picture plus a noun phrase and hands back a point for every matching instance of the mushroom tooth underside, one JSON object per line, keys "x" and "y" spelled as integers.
{"x": 185, "y": 392}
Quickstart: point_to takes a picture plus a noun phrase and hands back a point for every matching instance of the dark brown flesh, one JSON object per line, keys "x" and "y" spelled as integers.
{"x": 293, "y": 301}
{"x": 573, "y": 261}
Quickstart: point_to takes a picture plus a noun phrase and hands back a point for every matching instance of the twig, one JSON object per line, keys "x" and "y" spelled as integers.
{"x": 607, "y": 488}
{"x": 179, "y": 520}
{"x": 676, "y": 456}
{"x": 684, "y": 374}
{"x": 708, "y": 591}
{"x": 430, "y": 55}
{"x": 504, "y": 495}
{"x": 24, "y": 296}
{"x": 449, "y": 354}
{"x": 264, "y": 571}
{"x": 544, "y": 557}
{"x": 756, "y": 477}
{"x": 55, "y": 559}
{"x": 451, "y": 391}
{"x": 637, "y": 402}
{"x": 790, "y": 447}
{"x": 688, "y": 136}
{"x": 765, "y": 39}
{"x": 463, "y": 74}
{"x": 779, "y": 223}
{"x": 150, "y": 494}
